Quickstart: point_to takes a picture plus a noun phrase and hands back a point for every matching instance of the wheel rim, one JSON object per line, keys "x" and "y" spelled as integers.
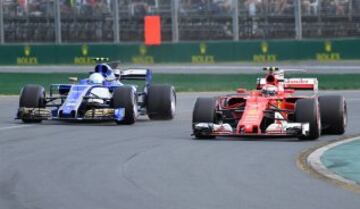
{"x": 135, "y": 107}
{"x": 345, "y": 115}
{"x": 172, "y": 104}
{"x": 318, "y": 119}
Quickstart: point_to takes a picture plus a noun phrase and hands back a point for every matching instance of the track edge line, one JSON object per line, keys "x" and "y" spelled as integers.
{"x": 309, "y": 161}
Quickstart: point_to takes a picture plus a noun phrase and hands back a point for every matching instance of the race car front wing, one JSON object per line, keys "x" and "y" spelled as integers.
{"x": 92, "y": 114}
{"x": 288, "y": 129}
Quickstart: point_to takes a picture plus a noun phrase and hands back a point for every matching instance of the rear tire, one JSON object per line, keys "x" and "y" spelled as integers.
{"x": 204, "y": 112}
{"x": 32, "y": 96}
{"x": 124, "y": 97}
{"x": 161, "y": 102}
{"x": 333, "y": 111}
{"x": 307, "y": 111}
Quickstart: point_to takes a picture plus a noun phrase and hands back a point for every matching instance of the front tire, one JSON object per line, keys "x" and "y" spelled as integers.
{"x": 307, "y": 111}
{"x": 124, "y": 97}
{"x": 32, "y": 96}
{"x": 161, "y": 102}
{"x": 333, "y": 111}
{"x": 204, "y": 112}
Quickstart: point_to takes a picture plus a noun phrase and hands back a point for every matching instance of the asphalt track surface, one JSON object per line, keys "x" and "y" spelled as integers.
{"x": 338, "y": 67}
{"x": 157, "y": 165}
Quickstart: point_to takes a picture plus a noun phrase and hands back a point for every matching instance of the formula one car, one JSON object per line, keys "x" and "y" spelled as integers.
{"x": 273, "y": 109}
{"x": 102, "y": 96}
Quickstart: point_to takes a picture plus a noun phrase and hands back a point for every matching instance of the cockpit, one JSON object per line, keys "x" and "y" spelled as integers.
{"x": 269, "y": 90}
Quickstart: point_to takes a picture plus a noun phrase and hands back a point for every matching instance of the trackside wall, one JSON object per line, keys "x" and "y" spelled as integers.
{"x": 194, "y": 52}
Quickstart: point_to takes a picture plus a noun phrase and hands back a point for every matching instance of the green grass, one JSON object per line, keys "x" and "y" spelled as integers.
{"x": 11, "y": 83}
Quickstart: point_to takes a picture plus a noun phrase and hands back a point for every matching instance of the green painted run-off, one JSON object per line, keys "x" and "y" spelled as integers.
{"x": 344, "y": 160}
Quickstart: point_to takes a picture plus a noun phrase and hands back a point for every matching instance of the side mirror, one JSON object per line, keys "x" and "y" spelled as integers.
{"x": 73, "y": 79}
{"x": 110, "y": 78}
{"x": 241, "y": 91}
{"x": 117, "y": 74}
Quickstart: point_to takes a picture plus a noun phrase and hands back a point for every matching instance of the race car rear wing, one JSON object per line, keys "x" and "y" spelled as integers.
{"x": 301, "y": 84}
{"x": 137, "y": 74}
{"x": 293, "y": 83}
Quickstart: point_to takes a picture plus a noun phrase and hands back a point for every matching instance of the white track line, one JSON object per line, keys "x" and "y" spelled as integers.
{"x": 314, "y": 160}
{"x": 14, "y": 127}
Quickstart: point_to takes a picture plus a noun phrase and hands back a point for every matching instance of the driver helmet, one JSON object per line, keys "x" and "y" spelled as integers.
{"x": 96, "y": 78}
{"x": 269, "y": 90}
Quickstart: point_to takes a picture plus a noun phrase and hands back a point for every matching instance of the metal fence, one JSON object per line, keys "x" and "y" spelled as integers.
{"x": 181, "y": 20}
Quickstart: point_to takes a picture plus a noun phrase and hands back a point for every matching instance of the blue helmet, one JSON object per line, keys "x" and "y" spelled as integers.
{"x": 104, "y": 69}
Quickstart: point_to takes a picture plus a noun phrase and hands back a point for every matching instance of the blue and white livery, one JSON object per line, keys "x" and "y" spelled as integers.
{"x": 104, "y": 95}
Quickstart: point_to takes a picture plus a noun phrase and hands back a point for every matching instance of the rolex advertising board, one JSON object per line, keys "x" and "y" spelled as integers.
{"x": 187, "y": 52}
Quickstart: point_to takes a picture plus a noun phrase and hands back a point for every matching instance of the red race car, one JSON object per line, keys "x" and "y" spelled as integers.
{"x": 273, "y": 109}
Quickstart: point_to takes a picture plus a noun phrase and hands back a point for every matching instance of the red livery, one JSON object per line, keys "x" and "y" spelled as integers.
{"x": 273, "y": 109}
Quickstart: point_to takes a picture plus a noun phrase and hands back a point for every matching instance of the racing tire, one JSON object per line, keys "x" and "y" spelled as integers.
{"x": 333, "y": 111}
{"x": 124, "y": 97}
{"x": 32, "y": 96}
{"x": 161, "y": 102}
{"x": 307, "y": 111}
{"x": 204, "y": 112}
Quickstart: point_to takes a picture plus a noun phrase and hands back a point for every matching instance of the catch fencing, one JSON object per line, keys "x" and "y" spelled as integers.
{"x": 118, "y": 21}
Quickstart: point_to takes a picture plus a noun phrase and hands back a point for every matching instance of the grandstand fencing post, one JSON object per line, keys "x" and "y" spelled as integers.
{"x": 175, "y": 20}
{"x": 116, "y": 22}
{"x": 236, "y": 20}
{"x": 57, "y": 22}
{"x": 2, "y": 39}
{"x": 298, "y": 23}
